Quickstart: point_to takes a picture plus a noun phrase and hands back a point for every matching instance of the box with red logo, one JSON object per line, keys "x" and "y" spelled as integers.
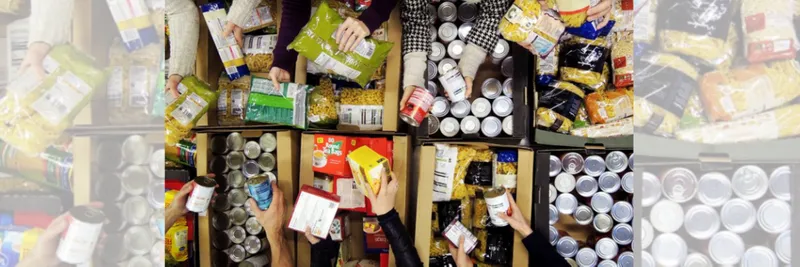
{"x": 375, "y": 240}
{"x": 330, "y": 154}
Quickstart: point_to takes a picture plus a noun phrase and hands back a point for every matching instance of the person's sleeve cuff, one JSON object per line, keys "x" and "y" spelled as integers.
{"x": 241, "y": 10}
{"x": 471, "y": 60}
{"x": 388, "y": 215}
{"x": 414, "y": 67}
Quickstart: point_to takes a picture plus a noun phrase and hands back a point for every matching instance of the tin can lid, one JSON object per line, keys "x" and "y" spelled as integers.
{"x": 553, "y": 194}
{"x": 157, "y": 161}
{"x": 268, "y": 142}
{"x": 455, "y": 49}
{"x": 606, "y": 248}
{"x": 449, "y": 127}
{"x": 601, "y": 202}
{"x": 586, "y": 257}
{"x": 252, "y": 149}
{"x": 616, "y": 161}
{"x": 572, "y": 163}
{"x": 594, "y": 165}
{"x": 774, "y": 216}
{"x": 609, "y": 182}
{"x": 470, "y": 124}
{"x": 625, "y": 259}
{"x": 437, "y": 53}
{"x": 622, "y": 234}
{"x": 669, "y": 250}
{"x": 491, "y": 126}
{"x": 266, "y": 162}
{"x": 235, "y": 141}
{"x": 88, "y": 214}
{"x": 611, "y": 263}
{"x": 701, "y": 222}
{"x": 779, "y": 184}
{"x": 433, "y": 124}
{"x": 666, "y": 216}
{"x": 759, "y": 256}
{"x": 135, "y": 150}
{"x": 137, "y": 210}
{"x": 627, "y": 182}
{"x": 738, "y": 215}
{"x": 205, "y": 181}
{"x": 138, "y": 240}
{"x": 508, "y": 125}
{"x": 583, "y": 215}
{"x": 647, "y": 260}
{"x": 237, "y": 197}
{"x": 651, "y": 189}
{"x": 647, "y": 233}
{"x": 481, "y": 107}
{"x": 553, "y": 235}
{"x": 502, "y": 106}
{"x": 221, "y": 241}
{"x": 725, "y": 248}
{"x": 235, "y": 179}
{"x": 251, "y": 168}
{"x": 252, "y": 226}
{"x": 447, "y": 11}
{"x": 507, "y": 67}
{"x": 630, "y": 161}
{"x": 508, "y": 87}
{"x": 155, "y": 195}
{"x": 235, "y": 160}
{"x": 602, "y": 223}
{"x": 252, "y": 244}
{"x": 622, "y": 211}
{"x": 501, "y": 49}
{"x": 460, "y": 108}
{"x": 491, "y": 88}
{"x": 555, "y": 165}
{"x": 135, "y": 179}
{"x": 567, "y": 247}
{"x": 564, "y": 182}
{"x": 697, "y": 260}
{"x": 679, "y": 185}
{"x": 434, "y": 33}
{"x": 440, "y": 106}
{"x": 586, "y": 186}
{"x": 566, "y": 203}
{"x": 750, "y": 182}
{"x": 237, "y": 253}
{"x": 464, "y": 29}
{"x": 448, "y": 31}
{"x": 553, "y": 214}
{"x": 433, "y": 70}
{"x": 467, "y": 12}
{"x": 783, "y": 247}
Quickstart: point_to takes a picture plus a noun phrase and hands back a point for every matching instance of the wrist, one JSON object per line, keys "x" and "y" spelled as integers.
{"x": 525, "y": 230}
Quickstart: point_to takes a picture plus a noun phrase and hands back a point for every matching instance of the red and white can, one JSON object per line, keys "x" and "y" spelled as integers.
{"x": 78, "y": 242}
{"x": 417, "y": 107}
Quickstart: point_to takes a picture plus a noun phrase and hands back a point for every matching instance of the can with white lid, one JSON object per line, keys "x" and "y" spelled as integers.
{"x": 647, "y": 233}
{"x": 627, "y": 182}
{"x": 432, "y": 71}
{"x": 268, "y": 142}
{"x": 440, "y": 107}
{"x": 725, "y": 248}
{"x": 586, "y": 257}
{"x": 622, "y": 234}
{"x": 446, "y": 65}
{"x": 586, "y": 186}
{"x": 201, "y": 194}
{"x": 622, "y": 211}
{"x": 602, "y": 223}
{"x": 502, "y": 106}
{"x": 701, "y": 222}
{"x": 738, "y": 215}
{"x": 583, "y": 215}
{"x": 434, "y": 33}
{"x": 779, "y": 183}
{"x": 553, "y": 235}
{"x": 134, "y": 179}
{"x": 553, "y": 214}
{"x": 625, "y": 259}
{"x": 455, "y": 49}
{"x": 609, "y": 182}
{"x": 470, "y": 125}
{"x": 138, "y": 240}
{"x": 467, "y": 12}
{"x": 552, "y": 194}
{"x": 418, "y": 104}
{"x": 666, "y": 216}
{"x": 481, "y": 107}
{"x": 572, "y": 163}
{"x": 774, "y": 216}
{"x": 749, "y": 182}
{"x": 449, "y": 127}
{"x": 697, "y": 259}
{"x": 555, "y": 165}
{"x": 679, "y": 185}
{"x": 437, "y": 53}
{"x": 651, "y": 189}
{"x": 463, "y": 30}
{"x": 616, "y": 161}
{"x": 714, "y": 189}
{"x": 567, "y": 247}
{"x": 564, "y": 182}
{"x": 507, "y": 67}
{"x": 500, "y": 51}
{"x": 669, "y": 250}
{"x": 491, "y": 126}
{"x": 759, "y": 256}
{"x": 447, "y": 11}
{"x": 508, "y": 125}
{"x": 448, "y": 32}
{"x": 601, "y": 202}
{"x": 508, "y": 87}
{"x": 606, "y": 248}
{"x": 460, "y": 109}
{"x": 783, "y": 247}
{"x": 594, "y": 165}
{"x": 566, "y": 203}
{"x": 491, "y": 88}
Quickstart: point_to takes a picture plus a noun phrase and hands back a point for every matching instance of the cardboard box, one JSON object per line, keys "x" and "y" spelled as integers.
{"x": 524, "y": 198}
{"x": 330, "y": 154}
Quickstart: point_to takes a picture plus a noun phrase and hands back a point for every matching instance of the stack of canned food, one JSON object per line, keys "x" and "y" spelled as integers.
{"x": 131, "y": 186}
{"x": 247, "y": 163}
{"x": 488, "y": 115}
{"x": 741, "y": 216}
{"x": 592, "y": 197}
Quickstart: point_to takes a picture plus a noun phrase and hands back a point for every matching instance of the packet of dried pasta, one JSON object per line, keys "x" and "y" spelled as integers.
{"x": 583, "y": 61}
{"x": 621, "y": 127}
{"x": 232, "y": 100}
{"x": 261, "y": 17}
{"x": 285, "y": 105}
{"x": 183, "y": 113}
{"x": 132, "y": 79}
{"x": 361, "y": 109}
{"x": 779, "y": 123}
{"x": 322, "y": 105}
{"x": 439, "y": 247}
{"x": 258, "y": 51}
{"x": 133, "y": 22}
{"x": 749, "y": 90}
{"x": 480, "y": 213}
{"x": 622, "y": 13}
{"x": 769, "y": 31}
{"x": 573, "y": 12}
{"x": 558, "y": 105}
{"x": 699, "y": 29}
{"x": 479, "y": 173}
{"x": 229, "y": 51}
{"x": 547, "y": 70}
{"x": 665, "y": 83}
{"x": 460, "y": 209}
{"x": 622, "y": 58}
{"x": 607, "y": 106}
{"x": 527, "y": 23}
{"x": 644, "y": 25}
{"x": 452, "y": 162}
{"x": 505, "y": 169}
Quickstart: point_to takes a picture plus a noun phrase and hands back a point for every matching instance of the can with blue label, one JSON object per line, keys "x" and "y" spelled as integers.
{"x": 261, "y": 189}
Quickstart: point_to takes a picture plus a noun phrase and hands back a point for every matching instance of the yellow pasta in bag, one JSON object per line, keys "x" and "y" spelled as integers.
{"x": 583, "y": 61}
{"x": 702, "y": 29}
{"x": 779, "y": 123}
{"x": 573, "y": 12}
{"x": 667, "y": 83}
{"x": 558, "y": 106}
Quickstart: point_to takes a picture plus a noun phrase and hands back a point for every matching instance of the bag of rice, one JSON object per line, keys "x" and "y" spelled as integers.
{"x": 285, "y": 105}
{"x": 183, "y": 113}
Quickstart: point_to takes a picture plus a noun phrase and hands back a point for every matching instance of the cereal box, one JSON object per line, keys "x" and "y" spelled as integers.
{"x": 330, "y": 153}
{"x": 367, "y": 167}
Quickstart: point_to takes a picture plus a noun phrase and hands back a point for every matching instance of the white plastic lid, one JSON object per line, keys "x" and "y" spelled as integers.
{"x": 714, "y": 189}
{"x": 783, "y": 247}
{"x": 701, "y": 222}
{"x": 566, "y": 203}
{"x": 697, "y": 260}
{"x": 679, "y": 185}
{"x": 726, "y": 248}
{"x": 553, "y": 193}
{"x": 609, "y": 182}
{"x": 606, "y": 248}
{"x": 647, "y": 233}
{"x": 627, "y": 182}
{"x": 759, "y": 256}
{"x": 651, "y": 189}
{"x": 669, "y": 250}
{"x": 666, "y": 216}
{"x": 774, "y": 216}
{"x": 738, "y": 215}
{"x": 750, "y": 182}
{"x": 779, "y": 184}
{"x": 586, "y": 186}
{"x": 594, "y": 165}
{"x": 601, "y": 202}
{"x": 586, "y": 257}
{"x": 565, "y": 182}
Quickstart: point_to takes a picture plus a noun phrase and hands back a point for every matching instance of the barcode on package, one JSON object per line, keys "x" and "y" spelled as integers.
{"x": 329, "y": 63}
{"x": 361, "y": 115}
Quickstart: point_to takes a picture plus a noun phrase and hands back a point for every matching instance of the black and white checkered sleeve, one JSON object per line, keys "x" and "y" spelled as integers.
{"x": 485, "y": 34}
{"x": 416, "y": 26}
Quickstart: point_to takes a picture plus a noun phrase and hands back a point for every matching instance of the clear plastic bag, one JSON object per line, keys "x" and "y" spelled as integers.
{"x": 232, "y": 101}
{"x": 527, "y": 23}
{"x": 361, "y": 108}
{"x": 583, "y": 61}
{"x": 258, "y": 51}
{"x": 439, "y": 247}
{"x": 285, "y": 105}
{"x": 131, "y": 82}
{"x": 452, "y": 162}
{"x": 666, "y": 82}
{"x": 183, "y": 113}
{"x": 622, "y": 58}
{"x": 493, "y": 245}
{"x": 322, "y": 104}
{"x": 547, "y": 68}
{"x": 621, "y": 127}
{"x": 702, "y": 29}
{"x": 455, "y": 209}
{"x": 261, "y": 17}
{"x": 558, "y": 106}
{"x": 573, "y": 12}
{"x": 769, "y": 31}
{"x": 779, "y": 123}
{"x": 505, "y": 169}
{"x": 607, "y": 106}
{"x": 479, "y": 173}
{"x": 694, "y": 115}
{"x": 480, "y": 213}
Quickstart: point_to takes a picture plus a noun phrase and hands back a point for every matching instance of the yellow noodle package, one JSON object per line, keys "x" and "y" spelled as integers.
{"x": 176, "y": 242}
{"x": 558, "y": 106}
{"x": 439, "y": 247}
{"x": 258, "y": 51}
{"x": 622, "y": 58}
{"x": 666, "y": 84}
{"x": 452, "y": 162}
{"x": 618, "y": 128}
{"x": 583, "y": 61}
{"x": 702, "y": 29}
{"x": 608, "y": 106}
{"x": 183, "y": 113}
{"x": 779, "y": 123}
{"x": 480, "y": 213}
{"x": 362, "y": 108}
{"x": 322, "y": 105}
{"x": 133, "y": 77}
{"x": 232, "y": 100}
{"x": 505, "y": 169}
{"x": 644, "y": 21}
{"x": 528, "y": 24}
{"x": 573, "y": 12}
{"x": 769, "y": 32}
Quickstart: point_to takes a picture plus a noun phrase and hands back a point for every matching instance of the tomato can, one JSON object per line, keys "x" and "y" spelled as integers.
{"x": 201, "y": 194}
{"x": 78, "y": 242}
{"x": 260, "y": 189}
{"x": 417, "y": 107}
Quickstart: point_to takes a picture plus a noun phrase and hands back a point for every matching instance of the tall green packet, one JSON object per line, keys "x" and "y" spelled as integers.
{"x": 285, "y": 105}
{"x": 317, "y": 42}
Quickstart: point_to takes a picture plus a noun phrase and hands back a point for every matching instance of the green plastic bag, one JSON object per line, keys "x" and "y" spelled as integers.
{"x": 316, "y": 42}
{"x": 285, "y": 105}
{"x": 183, "y": 113}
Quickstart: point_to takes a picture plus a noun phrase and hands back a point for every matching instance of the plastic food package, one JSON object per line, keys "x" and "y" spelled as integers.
{"x": 558, "y": 106}
{"x": 133, "y": 22}
{"x": 285, "y": 105}
{"x": 362, "y": 108}
{"x": 441, "y": 261}
{"x": 452, "y": 162}
{"x": 527, "y": 23}
{"x": 479, "y": 173}
{"x": 36, "y": 111}
{"x": 439, "y": 247}
{"x": 573, "y": 12}
{"x": 435, "y": 220}
{"x": 769, "y": 32}
{"x": 183, "y": 113}
{"x": 590, "y": 31}
{"x": 583, "y": 61}
{"x": 608, "y": 106}
{"x": 12, "y": 6}
{"x": 694, "y": 115}
{"x": 316, "y": 41}
{"x": 176, "y": 242}
{"x": 699, "y": 29}
{"x": 622, "y": 58}
{"x": 582, "y": 119}
{"x": 505, "y": 169}
{"x": 262, "y": 17}
{"x": 480, "y": 213}
{"x": 618, "y": 128}
{"x": 258, "y": 51}
{"x": 130, "y": 83}
{"x": 229, "y": 51}
{"x": 644, "y": 21}
{"x": 322, "y": 106}
{"x": 493, "y": 245}
{"x": 666, "y": 84}
{"x": 231, "y": 104}
{"x": 779, "y": 123}
{"x": 184, "y": 153}
{"x": 547, "y": 70}
{"x": 455, "y": 209}
{"x": 622, "y": 13}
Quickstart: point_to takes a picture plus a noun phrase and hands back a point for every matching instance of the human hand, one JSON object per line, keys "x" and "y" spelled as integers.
{"x": 515, "y": 220}
{"x": 238, "y": 32}
{"x": 271, "y": 219}
{"x": 178, "y": 205}
{"x": 311, "y": 238}
{"x": 278, "y": 75}
{"x": 384, "y": 201}
{"x": 43, "y": 253}
{"x": 33, "y": 59}
{"x": 350, "y": 33}
{"x": 406, "y": 95}
{"x": 459, "y": 255}
{"x": 172, "y": 85}
{"x": 599, "y": 12}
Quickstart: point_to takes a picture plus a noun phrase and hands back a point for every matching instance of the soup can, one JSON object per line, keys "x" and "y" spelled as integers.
{"x": 201, "y": 194}
{"x": 235, "y": 142}
{"x": 481, "y": 107}
{"x": 252, "y": 149}
{"x": 440, "y": 107}
{"x": 251, "y": 168}
{"x": 266, "y": 162}
{"x": 553, "y": 214}
{"x": 447, "y": 11}
{"x": 508, "y": 87}
{"x": 235, "y": 160}
{"x": 616, "y": 161}
{"x": 583, "y": 215}
{"x": 491, "y": 126}
{"x": 433, "y": 124}
{"x": 491, "y": 88}
{"x": 445, "y": 65}
{"x": 255, "y": 245}
{"x": 463, "y": 30}
{"x": 455, "y": 49}
{"x": 502, "y": 106}
{"x": 433, "y": 70}
{"x": 268, "y": 142}
{"x": 438, "y": 51}
{"x": 135, "y": 150}
{"x": 79, "y": 240}
{"x": 586, "y": 257}
{"x": 237, "y": 253}
{"x": 432, "y": 88}
{"x": 594, "y": 165}
{"x": 260, "y": 188}
{"x": 434, "y": 33}
{"x": 460, "y": 109}
{"x": 470, "y": 125}
{"x": 507, "y": 67}
{"x": 449, "y": 127}
{"x": 555, "y": 166}
{"x": 253, "y": 227}
{"x": 448, "y": 32}
{"x": 219, "y": 145}
{"x": 255, "y": 261}
{"x": 238, "y": 216}
{"x": 500, "y": 51}
{"x": 454, "y": 84}
{"x": 237, "y": 197}
{"x": 467, "y": 12}
{"x": 417, "y": 106}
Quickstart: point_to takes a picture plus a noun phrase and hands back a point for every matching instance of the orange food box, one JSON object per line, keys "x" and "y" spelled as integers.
{"x": 330, "y": 154}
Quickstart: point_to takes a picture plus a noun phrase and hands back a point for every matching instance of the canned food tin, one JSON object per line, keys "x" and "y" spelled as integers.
{"x": 113, "y": 214}
{"x": 464, "y": 29}
{"x": 237, "y": 234}
{"x": 497, "y": 202}
{"x": 238, "y": 216}
{"x": 266, "y": 162}
{"x": 572, "y": 163}
{"x": 115, "y": 251}
{"x": 651, "y": 189}
{"x": 440, "y": 107}
{"x": 236, "y": 253}
{"x": 601, "y": 202}
{"x": 255, "y": 261}
{"x": 201, "y": 194}
{"x": 564, "y": 182}
{"x": 725, "y": 248}
{"x": 491, "y": 126}
{"x": 219, "y": 145}
{"x": 481, "y": 107}
{"x": 138, "y": 240}
{"x": 647, "y": 260}
{"x": 447, "y": 11}
{"x": 453, "y": 83}
{"x": 449, "y": 127}
{"x": 647, "y": 233}
{"x": 434, "y": 33}
{"x": 606, "y": 248}
{"x": 583, "y": 215}
{"x": 268, "y": 142}
{"x": 616, "y": 161}
{"x": 432, "y": 13}
{"x": 260, "y": 188}
{"x": 470, "y": 125}
{"x": 625, "y": 259}
{"x": 446, "y": 65}
{"x": 455, "y": 49}
{"x": 157, "y": 162}
{"x": 218, "y": 165}
{"x": 500, "y": 52}
{"x": 679, "y": 185}
{"x": 759, "y": 256}
{"x": 237, "y": 197}
{"x": 155, "y": 195}
{"x": 136, "y": 210}
{"x": 738, "y": 215}
{"x": 714, "y": 189}
{"x": 78, "y": 241}
{"x": 749, "y": 182}
{"x": 602, "y": 223}
{"x": 566, "y": 203}
{"x": 666, "y": 216}
{"x": 630, "y": 161}
{"x": 134, "y": 180}
{"x": 248, "y": 209}
{"x": 779, "y": 184}
{"x": 433, "y": 124}
{"x": 508, "y": 125}
{"x": 251, "y": 168}
{"x": 627, "y": 182}
{"x": 221, "y": 203}
{"x": 701, "y": 222}
{"x": 567, "y": 247}
{"x": 437, "y": 53}
{"x": 586, "y": 257}
{"x": 553, "y": 235}
{"x": 507, "y": 67}
{"x": 697, "y": 259}
{"x": 783, "y": 247}
{"x": 622, "y": 211}
{"x": 611, "y": 263}
{"x": 235, "y": 142}
{"x": 448, "y": 32}
{"x": 460, "y": 109}
{"x": 508, "y": 87}
{"x": 622, "y": 234}
{"x": 235, "y": 160}
{"x": 138, "y": 261}
{"x": 467, "y": 12}
{"x": 432, "y": 87}
{"x": 609, "y": 182}
{"x": 491, "y": 88}
{"x": 135, "y": 150}
{"x": 221, "y": 221}
{"x": 586, "y": 186}
{"x": 417, "y": 107}
{"x": 432, "y": 71}
{"x": 555, "y": 165}
{"x": 774, "y": 216}
{"x": 235, "y": 179}
{"x": 553, "y": 215}
{"x": 502, "y": 106}
{"x": 252, "y": 149}
{"x": 221, "y": 242}
{"x": 255, "y": 245}
{"x": 553, "y": 193}
{"x": 253, "y": 227}
{"x": 594, "y": 165}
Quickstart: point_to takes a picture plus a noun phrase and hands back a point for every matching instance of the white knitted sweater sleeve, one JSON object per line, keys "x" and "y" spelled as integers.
{"x": 241, "y": 10}
{"x": 184, "y": 27}
{"x": 50, "y": 21}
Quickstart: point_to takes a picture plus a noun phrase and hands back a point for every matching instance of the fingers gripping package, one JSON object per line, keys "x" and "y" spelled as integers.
{"x": 316, "y": 42}
{"x": 558, "y": 106}
{"x": 229, "y": 52}
{"x": 285, "y": 105}
{"x": 133, "y": 22}
{"x": 368, "y": 167}
{"x": 36, "y": 111}
{"x": 526, "y": 22}
{"x": 183, "y": 113}
{"x": 574, "y": 15}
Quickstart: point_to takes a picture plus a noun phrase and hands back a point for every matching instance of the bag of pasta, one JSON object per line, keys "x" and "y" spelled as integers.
{"x": 505, "y": 169}
{"x": 493, "y": 245}
{"x": 621, "y": 127}
{"x": 526, "y": 23}
{"x": 361, "y": 109}
{"x": 694, "y": 115}
{"x": 285, "y": 105}
{"x": 774, "y": 124}
{"x": 665, "y": 83}
{"x": 622, "y": 13}
{"x": 316, "y": 41}
{"x": 183, "y": 113}
{"x": 262, "y": 16}
{"x": 442, "y": 261}
{"x": 439, "y": 247}
{"x": 622, "y": 58}
{"x": 769, "y": 31}
{"x": 479, "y": 172}
{"x": 701, "y": 29}
{"x": 132, "y": 79}
{"x": 558, "y": 105}
{"x": 322, "y": 106}
{"x": 480, "y": 213}
{"x": 452, "y": 162}
{"x": 583, "y": 61}
{"x": 608, "y": 106}
{"x": 258, "y": 51}
{"x": 573, "y": 12}
{"x": 547, "y": 70}
{"x": 582, "y": 119}
{"x": 455, "y": 209}
{"x": 232, "y": 100}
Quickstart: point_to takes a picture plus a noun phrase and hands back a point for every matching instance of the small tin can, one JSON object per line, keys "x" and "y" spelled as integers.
{"x": 455, "y": 230}
{"x": 508, "y": 87}
{"x": 651, "y": 189}
{"x": 714, "y": 189}
{"x": 553, "y": 215}
{"x": 572, "y": 163}
{"x": 251, "y": 168}
{"x": 627, "y": 182}
{"x": 218, "y": 165}
{"x": 611, "y": 263}
{"x": 666, "y": 216}
{"x": 616, "y": 161}
{"x": 219, "y": 145}
{"x": 440, "y": 107}
{"x": 750, "y": 182}
{"x": 566, "y": 203}
{"x": 602, "y": 223}
{"x": 449, "y": 127}
{"x": 238, "y": 216}
{"x": 508, "y": 125}
{"x": 237, "y": 253}
{"x": 774, "y": 216}
{"x": 255, "y": 261}
{"x": 253, "y": 227}
{"x": 109, "y": 189}
{"x": 497, "y": 202}
{"x": 135, "y": 150}
{"x": 138, "y": 261}
{"x": 724, "y": 247}
{"x": 779, "y": 183}
{"x": 268, "y": 142}
{"x": 467, "y": 12}
{"x": 221, "y": 242}
{"x": 609, "y": 182}
{"x": 481, "y": 107}
{"x": 448, "y": 32}
{"x": 553, "y": 235}
{"x": 491, "y": 126}
{"x": 266, "y": 162}
{"x": 625, "y": 259}
{"x": 221, "y": 221}
{"x": 680, "y": 185}
{"x": 455, "y": 49}
{"x": 432, "y": 88}
{"x": 783, "y": 247}
{"x": 601, "y": 202}
{"x": 260, "y": 188}
{"x": 134, "y": 180}
{"x": 622, "y": 234}
{"x": 669, "y": 250}
{"x": 454, "y": 84}
{"x": 701, "y": 222}
{"x": 446, "y": 65}
{"x": 463, "y": 30}
{"x": 507, "y": 67}
{"x": 235, "y": 160}
{"x": 630, "y": 161}
{"x": 136, "y": 210}
{"x": 417, "y": 107}
{"x": 432, "y": 13}
{"x": 255, "y": 245}
{"x": 470, "y": 125}
{"x": 438, "y": 51}
{"x": 235, "y": 142}
{"x": 586, "y": 186}
{"x": 552, "y": 194}
{"x": 433, "y": 124}
{"x": 583, "y": 215}
{"x": 432, "y": 71}
{"x": 248, "y": 209}
{"x": 237, "y": 197}
{"x": 759, "y": 256}
{"x": 502, "y": 106}
{"x": 139, "y": 240}
{"x": 606, "y": 248}
{"x": 586, "y": 257}
{"x": 447, "y": 11}
{"x": 594, "y": 165}
{"x": 491, "y": 88}
{"x": 252, "y": 149}
{"x": 235, "y": 179}
{"x": 622, "y": 211}
{"x": 564, "y": 182}
{"x": 460, "y": 109}
{"x": 567, "y": 247}
{"x": 221, "y": 203}
{"x": 79, "y": 240}
{"x": 157, "y": 162}
{"x": 237, "y": 234}
{"x": 434, "y": 33}
{"x": 501, "y": 51}
{"x": 201, "y": 194}
{"x": 555, "y": 166}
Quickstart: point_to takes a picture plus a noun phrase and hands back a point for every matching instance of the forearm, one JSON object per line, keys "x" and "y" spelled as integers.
{"x": 377, "y": 13}
{"x": 416, "y": 42}
{"x": 50, "y": 21}
{"x": 295, "y": 15}
{"x": 279, "y": 250}
{"x": 241, "y": 11}
{"x": 170, "y": 217}
{"x": 399, "y": 239}
{"x": 184, "y": 21}
{"x": 484, "y": 33}
{"x": 538, "y": 248}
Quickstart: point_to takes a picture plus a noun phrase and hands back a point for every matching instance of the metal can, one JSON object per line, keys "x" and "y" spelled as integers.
{"x": 449, "y": 127}
{"x": 750, "y": 182}
{"x": 115, "y": 251}
{"x": 113, "y": 213}
{"x": 647, "y": 260}
{"x": 601, "y": 202}
{"x": 467, "y": 12}
{"x": 553, "y": 193}
{"x": 434, "y": 33}
{"x": 266, "y": 162}
{"x": 666, "y": 216}
{"x": 622, "y": 211}
{"x": 201, "y": 194}
{"x": 219, "y": 145}
{"x": 237, "y": 197}
{"x": 507, "y": 67}
{"x": 586, "y": 257}
{"x": 491, "y": 88}
{"x": 714, "y": 189}
{"x": 251, "y": 168}
{"x": 463, "y": 30}
{"x": 602, "y": 223}
{"x": 627, "y": 182}
{"x": 255, "y": 245}
{"x": 586, "y": 186}
{"x": 433, "y": 124}
{"x": 500, "y": 52}
{"x": 481, "y": 107}
{"x": 738, "y": 215}
{"x": 566, "y": 203}
{"x": 508, "y": 87}
{"x": 783, "y": 247}
{"x": 502, "y": 106}
{"x": 218, "y": 165}
{"x": 136, "y": 210}
{"x": 235, "y": 142}
{"x": 594, "y": 165}
{"x": 235, "y": 179}
{"x": 697, "y": 259}
{"x": 724, "y": 248}
{"x": 236, "y": 253}
{"x": 235, "y": 160}
{"x": 508, "y": 125}
{"x": 630, "y": 161}
{"x": 701, "y": 222}
{"x": 616, "y": 161}
{"x": 268, "y": 142}
{"x": 779, "y": 183}
{"x": 447, "y": 11}
{"x": 440, "y": 107}
{"x": 437, "y": 52}
{"x": 491, "y": 126}
{"x": 157, "y": 162}
{"x": 470, "y": 125}
{"x": 238, "y": 216}
{"x": 109, "y": 152}
{"x": 555, "y": 166}
{"x": 221, "y": 221}
{"x": 647, "y": 233}
{"x": 567, "y": 247}
{"x": 255, "y": 261}
{"x": 221, "y": 241}
{"x": 622, "y": 234}
{"x": 774, "y": 216}
{"x": 252, "y": 149}
{"x": 553, "y": 235}
{"x": 237, "y": 234}
{"x": 497, "y": 202}
{"x": 609, "y": 182}
{"x": 606, "y": 248}
{"x": 135, "y": 180}
{"x": 454, "y": 84}
{"x": 221, "y": 203}
{"x": 651, "y": 189}
{"x": 138, "y": 261}
{"x": 139, "y": 240}
{"x": 572, "y": 163}
{"x": 455, "y": 49}
{"x": 109, "y": 189}
{"x": 679, "y": 185}
{"x": 432, "y": 87}
{"x": 625, "y": 259}
{"x": 260, "y": 188}
{"x": 583, "y": 215}
{"x": 432, "y": 71}
{"x": 759, "y": 256}
{"x": 460, "y": 109}
{"x": 417, "y": 107}
{"x": 135, "y": 150}
{"x": 553, "y": 215}
{"x": 564, "y": 182}
{"x": 448, "y": 32}
{"x": 432, "y": 13}
{"x": 611, "y": 263}
{"x": 446, "y": 65}
{"x": 78, "y": 241}
{"x": 253, "y": 227}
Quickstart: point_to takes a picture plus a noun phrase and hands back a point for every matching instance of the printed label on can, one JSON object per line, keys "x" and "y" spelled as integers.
{"x": 454, "y": 84}
{"x": 497, "y": 205}
{"x": 77, "y": 244}
{"x": 200, "y": 198}
{"x": 418, "y": 105}
{"x": 455, "y": 230}
{"x": 262, "y": 193}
